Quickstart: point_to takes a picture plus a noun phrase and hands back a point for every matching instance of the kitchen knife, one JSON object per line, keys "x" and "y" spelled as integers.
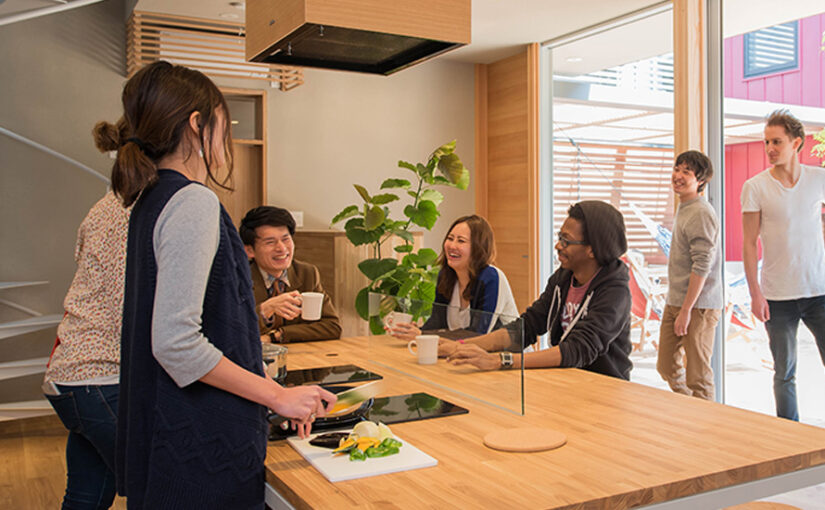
{"x": 350, "y": 399}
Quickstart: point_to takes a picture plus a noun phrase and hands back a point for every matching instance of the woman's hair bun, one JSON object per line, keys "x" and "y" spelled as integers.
{"x": 107, "y": 136}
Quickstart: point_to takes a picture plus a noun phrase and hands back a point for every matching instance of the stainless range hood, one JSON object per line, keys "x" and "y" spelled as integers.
{"x": 370, "y": 36}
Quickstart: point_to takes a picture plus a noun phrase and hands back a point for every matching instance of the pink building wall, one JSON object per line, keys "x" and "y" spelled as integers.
{"x": 802, "y": 86}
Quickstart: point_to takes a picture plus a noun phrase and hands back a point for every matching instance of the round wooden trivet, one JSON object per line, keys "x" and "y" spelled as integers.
{"x": 530, "y": 439}
{"x": 762, "y": 505}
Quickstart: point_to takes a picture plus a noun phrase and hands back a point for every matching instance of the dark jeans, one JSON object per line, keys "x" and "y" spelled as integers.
{"x": 89, "y": 413}
{"x": 782, "y": 327}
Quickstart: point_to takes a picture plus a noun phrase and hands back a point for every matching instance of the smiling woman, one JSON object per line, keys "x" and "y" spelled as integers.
{"x": 467, "y": 282}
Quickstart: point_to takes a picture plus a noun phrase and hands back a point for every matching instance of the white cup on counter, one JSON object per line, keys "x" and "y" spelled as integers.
{"x": 311, "y": 305}
{"x": 426, "y": 349}
{"x": 394, "y": 318}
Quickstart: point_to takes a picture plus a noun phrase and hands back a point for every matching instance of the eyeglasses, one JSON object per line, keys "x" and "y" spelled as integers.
{"x": 565, "y": 242}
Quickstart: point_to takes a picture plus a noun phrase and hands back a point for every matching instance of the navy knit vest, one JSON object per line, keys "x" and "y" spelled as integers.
{"x": 195, "y": 447}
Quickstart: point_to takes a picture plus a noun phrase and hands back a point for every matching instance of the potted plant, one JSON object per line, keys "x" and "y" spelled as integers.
{"x": 413, "y": 278}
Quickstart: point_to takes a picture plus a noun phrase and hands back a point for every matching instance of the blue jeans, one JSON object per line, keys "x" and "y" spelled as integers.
{"x": 782, "y": 327}
{"x": 90, "y": 414}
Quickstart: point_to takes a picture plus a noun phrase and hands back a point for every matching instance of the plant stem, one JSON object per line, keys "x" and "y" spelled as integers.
{"x": 415, "y": 202}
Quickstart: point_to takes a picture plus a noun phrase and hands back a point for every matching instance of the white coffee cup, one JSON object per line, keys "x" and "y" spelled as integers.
{"x": 426, "y": 349}
{"x": 394, "y": 318}
{"x": 311, "y": 305}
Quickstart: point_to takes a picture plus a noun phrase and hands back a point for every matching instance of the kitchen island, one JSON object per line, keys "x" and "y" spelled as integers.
{"x": 628, "y": 445}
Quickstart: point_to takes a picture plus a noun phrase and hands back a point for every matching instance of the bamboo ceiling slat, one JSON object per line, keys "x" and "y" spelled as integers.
{"x": 213, "y": 47}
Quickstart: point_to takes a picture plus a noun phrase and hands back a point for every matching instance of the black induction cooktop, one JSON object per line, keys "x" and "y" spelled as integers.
{"x": 388, "y": 410}
{"x": 339, "y": 374}
{"x": 411, "y": 407}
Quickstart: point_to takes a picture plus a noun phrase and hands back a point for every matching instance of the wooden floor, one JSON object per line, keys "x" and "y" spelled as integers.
{"x": 33, "y": 468}
{"x": 33, "y": 464}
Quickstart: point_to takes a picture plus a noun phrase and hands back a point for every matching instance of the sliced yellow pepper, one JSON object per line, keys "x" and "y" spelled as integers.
{"x": 345, "y": 443}
{"x": 367, "y": 442}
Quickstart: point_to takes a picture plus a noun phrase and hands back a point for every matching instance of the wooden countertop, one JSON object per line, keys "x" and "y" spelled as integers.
{"x": 628, "y": 444}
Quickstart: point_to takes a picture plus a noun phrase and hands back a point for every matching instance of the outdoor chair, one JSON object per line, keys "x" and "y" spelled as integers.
{"x": 648, "y": 297}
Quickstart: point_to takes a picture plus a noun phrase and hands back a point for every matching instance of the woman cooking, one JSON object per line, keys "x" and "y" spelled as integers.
{"x": 191, "y": 419}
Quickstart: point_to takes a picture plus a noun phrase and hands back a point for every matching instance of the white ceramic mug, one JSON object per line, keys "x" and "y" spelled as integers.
{"x": 426, "y": 349}
{"x": 394, "y": 318}
{"x": 311, "y": 305}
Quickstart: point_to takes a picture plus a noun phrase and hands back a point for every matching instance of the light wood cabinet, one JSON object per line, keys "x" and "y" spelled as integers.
{"x": 337, "y": 260}
{"x": 248, "y": 182}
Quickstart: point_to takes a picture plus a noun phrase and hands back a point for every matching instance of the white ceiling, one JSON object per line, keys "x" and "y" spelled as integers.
{"x": 500, "y": 27}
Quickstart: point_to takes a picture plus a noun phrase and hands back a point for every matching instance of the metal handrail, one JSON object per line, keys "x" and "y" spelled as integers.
{"x": 47, "y": 150}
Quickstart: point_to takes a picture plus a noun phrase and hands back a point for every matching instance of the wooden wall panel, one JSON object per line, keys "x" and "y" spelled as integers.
{"x": 508, "y": 132}
{"x": 689, "y": 77}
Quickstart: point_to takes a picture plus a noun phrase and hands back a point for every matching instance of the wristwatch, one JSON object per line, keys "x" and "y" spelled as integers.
{"x": 506, "y": 360}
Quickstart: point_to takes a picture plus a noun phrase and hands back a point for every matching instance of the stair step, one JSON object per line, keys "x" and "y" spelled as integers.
{"x": 21, "y": 327}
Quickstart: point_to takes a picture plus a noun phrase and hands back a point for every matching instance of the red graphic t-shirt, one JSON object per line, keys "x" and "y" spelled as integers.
{"x": 575, "y": 296}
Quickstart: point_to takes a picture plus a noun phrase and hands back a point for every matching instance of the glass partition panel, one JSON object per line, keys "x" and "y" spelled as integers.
{"x": 461, "y": 350}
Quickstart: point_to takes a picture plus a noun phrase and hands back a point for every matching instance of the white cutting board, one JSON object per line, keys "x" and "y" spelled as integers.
{"x": 340, "y": 468}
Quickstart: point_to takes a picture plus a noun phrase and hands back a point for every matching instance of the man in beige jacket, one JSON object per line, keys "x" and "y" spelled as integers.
{"x": 278, "y": 280}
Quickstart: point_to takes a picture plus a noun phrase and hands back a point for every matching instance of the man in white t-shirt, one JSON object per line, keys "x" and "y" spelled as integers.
{"x": 783, "y": 206}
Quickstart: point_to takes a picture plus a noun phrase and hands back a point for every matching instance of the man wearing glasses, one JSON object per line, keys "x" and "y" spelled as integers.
{"x": 585, "y": 306}
{"x": 278, "y": 280}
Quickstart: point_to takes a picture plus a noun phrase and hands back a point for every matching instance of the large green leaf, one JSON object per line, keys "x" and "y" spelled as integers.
{"x": 376, "y": 325}
{"x": 395, "y": 183}
{"x": 408, "y": 166}
{"x": 348, "y": 212}
{"x": 408, "y": 285}
{"x": 447, "y": 148}
{"x": 363, "y": 192}
{"x": 420, "y": 309}
{"x": 404, "y": 248}
{"x": 424, "y": 215}
{"x": 403, "y": 234}
{"x": 384, "y": 198}
{"x": 362, "y": 304}
{"x": 375, "y": 268}
{"x": 389, "y": 285}
{"x": 426, "y": 257}
{"x": 464, "y": 180}
{"x": 424, "y": 291}
{"x": 374, "y": 218}
{"x": 433, "y": 196}
{"x": 358, "y": 235}
{"x": 453, "y": 169}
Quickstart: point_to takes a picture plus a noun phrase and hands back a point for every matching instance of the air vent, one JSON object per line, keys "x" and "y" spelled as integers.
{"x": 371, "y": 36}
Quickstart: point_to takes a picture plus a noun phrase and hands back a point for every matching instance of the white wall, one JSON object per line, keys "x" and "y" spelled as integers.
{"x": 340, "y": 128}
